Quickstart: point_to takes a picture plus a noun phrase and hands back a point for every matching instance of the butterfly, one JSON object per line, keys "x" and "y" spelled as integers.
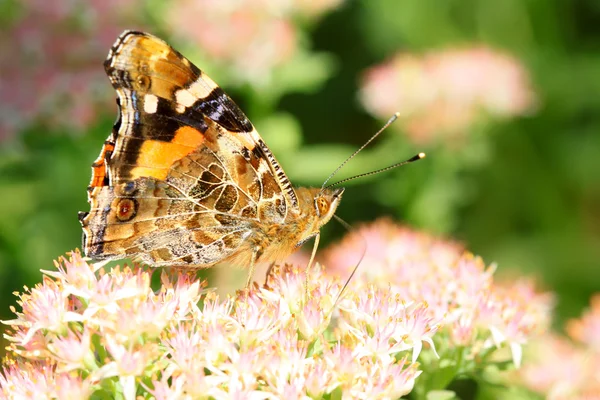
{"x": 184, "y": 179}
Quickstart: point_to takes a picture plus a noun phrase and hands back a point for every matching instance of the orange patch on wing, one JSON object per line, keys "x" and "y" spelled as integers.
{"x": 157, "y": 157}
{"x": 99, "y": 166}
{"x": 188, "y": 136}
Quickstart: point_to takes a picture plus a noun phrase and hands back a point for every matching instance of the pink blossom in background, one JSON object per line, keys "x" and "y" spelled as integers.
{"x": 586, "y": 330}
{"x": 387, "y": 243}
{"x": 51, "y": 62}
{"x": 250, "y": 36}
{"x": 569, "y": 367}
{"x": 241, "y": 33}
{"x": 444, "y": 93}
{"x": 561, "y": 368}
{"x": 557, "y": 369}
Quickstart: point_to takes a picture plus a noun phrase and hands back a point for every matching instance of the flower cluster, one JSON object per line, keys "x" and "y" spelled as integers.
{"x": 249, "y": 36}
{"x": 89, "y": 330}
{"x": 478, "y": 315}
{"x": 567, "y": 368}
{"x": 49, "y": 71}
{"x": 83, "y": 331}
{"x": 443, "y": 93}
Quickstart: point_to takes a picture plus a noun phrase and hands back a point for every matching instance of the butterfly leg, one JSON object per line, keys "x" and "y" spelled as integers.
{"x": 269, "y": 271}
{"x": 255, "y": 256}
{"x": 310, "y": 262}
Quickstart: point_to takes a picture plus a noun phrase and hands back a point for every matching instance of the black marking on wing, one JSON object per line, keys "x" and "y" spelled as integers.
{"x": 219, "y": 107}
{"x": 281, "y": 177}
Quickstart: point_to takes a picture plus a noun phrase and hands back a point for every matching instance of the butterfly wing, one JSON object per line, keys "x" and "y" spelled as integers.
{"x": 184, "y": 178}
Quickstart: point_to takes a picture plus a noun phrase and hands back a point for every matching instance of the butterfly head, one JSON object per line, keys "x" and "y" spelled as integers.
{"x": 326, "y": 202}
{"x": 317, "y": 207}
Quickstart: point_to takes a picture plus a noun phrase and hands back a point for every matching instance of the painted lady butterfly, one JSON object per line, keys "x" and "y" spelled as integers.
{"x": 184, "y": 179}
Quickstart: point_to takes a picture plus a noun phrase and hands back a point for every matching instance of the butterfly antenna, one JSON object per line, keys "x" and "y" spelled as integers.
{"x": 364, "y": 251}
{"x": 377, "y": 171}
{"x": 390, "y": 121}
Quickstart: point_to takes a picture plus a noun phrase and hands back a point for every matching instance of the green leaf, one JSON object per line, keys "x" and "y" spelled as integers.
{"x": 305, "y": 73}
{"x": 281, "y": 131}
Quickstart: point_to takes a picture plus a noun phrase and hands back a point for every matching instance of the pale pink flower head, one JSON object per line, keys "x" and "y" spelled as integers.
{"x": 386, "y": 380}
{"x": 386, "y": 244}
{"x": 44, "y": 308}
{"x": 40, "y": 380}
{"x": 82, "y": 311}
{"x": 73, "y": 349}
{"x": 381, "y": 324}
{"x": 299, "y": 335}
{"x": 443, "y": 94}
{"x": 560, "y": 369}
{"x": 515, "y": 313}
{"x": 267, "y": 342}
{"x": 250, "y": 37}
{"x": 586, "y": 330}
{"x": 51, "y": 62}
{"x": 456, "y": 289}
{"x": 567, "y": 367}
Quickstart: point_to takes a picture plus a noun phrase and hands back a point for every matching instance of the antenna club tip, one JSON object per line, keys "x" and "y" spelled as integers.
{"x": 418, "y": 157}
{"x": 397, "y": 114}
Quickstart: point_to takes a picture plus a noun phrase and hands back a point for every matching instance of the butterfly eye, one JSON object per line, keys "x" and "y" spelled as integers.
{"x": 322, "y": 206}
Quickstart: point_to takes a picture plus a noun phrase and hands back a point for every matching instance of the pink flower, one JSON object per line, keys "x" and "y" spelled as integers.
{"x": 248, "y": 36}
{"x": 292, "y": 338}
{"x": 129, "y": 361}
{"x": 253, "y": 346}
{"x": 388, "y": 244}
{"x": 52, "y": 60}
{"x": 74, "y": 350}
{"x": 39, "y": 380}
{"x": 442, "y": 286}
{"x": 444, "y": 93}
{"x": 251, "y": 38}
{"x": 318, "y": 378}
{"x": 515, "y": 314}
{"x": 45, "y": 309}
{"x": 561, "y": 370}
{"x": 381, "y": 324}
{"x": 386, "y": 380}
{"x": 586, "y": 330}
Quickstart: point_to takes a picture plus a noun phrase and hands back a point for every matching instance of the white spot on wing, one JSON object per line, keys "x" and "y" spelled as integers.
{"x": 199, "y": 89}
{"x": 202, "y": 87}
{"x": 184, "y": 97}
{"x": 150, "y": 103}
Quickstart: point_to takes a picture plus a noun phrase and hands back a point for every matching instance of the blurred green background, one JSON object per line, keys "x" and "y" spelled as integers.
{"x": 502, "y": 95}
